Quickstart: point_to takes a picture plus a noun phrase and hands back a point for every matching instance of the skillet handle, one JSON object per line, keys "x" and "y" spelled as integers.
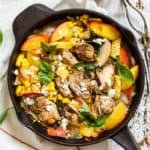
{"x": 29, "y": 18}
{"x": 126, "y": 139}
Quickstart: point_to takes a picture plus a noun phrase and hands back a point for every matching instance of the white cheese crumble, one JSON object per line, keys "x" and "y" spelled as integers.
{"x": 44, "y": 91}
{"x": 108, "y": 82}
{"x": 28, "y": 101}
{"x": 16, "y": 71}
{"x": 60, "y": 58}
{"x": 111, "y": 92}
{"x": 99, "y": 41}
{"x": 49, "y": 107}
{"x": 65, "y": 86}
{"x": 64, "y": 123}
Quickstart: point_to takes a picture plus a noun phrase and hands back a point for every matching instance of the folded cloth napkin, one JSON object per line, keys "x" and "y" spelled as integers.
{"x": 14, "y": 135}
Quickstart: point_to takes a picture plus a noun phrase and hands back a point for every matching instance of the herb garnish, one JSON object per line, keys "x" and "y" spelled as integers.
{"x": 50, "y": 49}
{"x": 46, "y": 74}
{"x": 85, "y": 115}
{"x": 1, "y": 37}
{"x": 123, "y": 71}
{"x": 3, "y": 114}
{"x": 87, "y": 66}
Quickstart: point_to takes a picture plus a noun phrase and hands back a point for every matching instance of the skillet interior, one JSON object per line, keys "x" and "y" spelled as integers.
{"x": 132, "y": 46}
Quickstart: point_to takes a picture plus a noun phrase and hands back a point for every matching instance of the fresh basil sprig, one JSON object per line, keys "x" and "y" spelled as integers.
{"x": 3, "y": 115}
{"x": 87, "y": 66}
{"x": 85, "y": 115}
{"x": 1, "y": 37}
{"x": 123, "y": 71}
{"x": 46, "y": 74}
{"x": 50, "y": 49}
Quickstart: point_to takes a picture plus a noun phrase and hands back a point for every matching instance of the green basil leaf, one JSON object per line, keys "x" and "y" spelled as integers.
{"x": 3, "y": 115}
{"x": 51, "y": 54}
{"x": 46, "y": 74}
{"x": 79, "y": 64}
{"x": 50, "y": 49}
{"x": 124, "y": 72}
{"x": 45, "y": 67}
{"x": 82, "y": 117}
{"x": 45, "y": 47}
{"x": 90, "y": 67}
{"x": 100, "y": 121}
{"x": 1, "y": 37}
{"x": 44, "y": 78}
{"x": 85, "y": 65}
{"x": 85, "y": 109}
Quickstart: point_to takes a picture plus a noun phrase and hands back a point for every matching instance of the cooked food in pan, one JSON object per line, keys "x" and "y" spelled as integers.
{"x": 76, "y": 78}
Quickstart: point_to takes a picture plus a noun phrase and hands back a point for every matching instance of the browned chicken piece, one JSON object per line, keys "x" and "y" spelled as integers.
{"x": 96, "y": 107}
{"x": 105, "y": 76}
{"x": 73, "y": 118}
{"x": 84, "y": 51}
{"x": 80, "y": 86}
{"x": 103, "y": 105}
{"x": 46, "y": 110}
{"x": 69, "y": 58}
{"x": 107, "y": 104}
{"x": 63, "y": 87}
{"x": 72, "y": 107}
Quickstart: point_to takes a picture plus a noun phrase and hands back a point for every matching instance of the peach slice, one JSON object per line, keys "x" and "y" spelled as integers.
{"x": 62, "y": 31}
{"x": 117, "y": 116}
{"x": 104, "y": 30}
{"x": 34, "y": 42}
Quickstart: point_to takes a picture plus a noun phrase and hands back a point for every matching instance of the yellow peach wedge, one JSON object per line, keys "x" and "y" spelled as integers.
{"x": 104, "y": 30}
{"x": 34, "y": 42}
{"x": 62, "y": 31}
{"x": 117, "y": 116}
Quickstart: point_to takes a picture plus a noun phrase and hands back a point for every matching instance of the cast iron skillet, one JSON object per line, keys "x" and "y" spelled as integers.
{"x": 38, "y": 15}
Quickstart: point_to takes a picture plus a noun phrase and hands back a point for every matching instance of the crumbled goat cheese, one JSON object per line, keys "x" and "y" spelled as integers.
{"x": 28, "y": 101}
{"x": 49, "y": 107}
{"x": 99, "y": 41}
{"x": 108, "y": 82}
{"x": 111, "y": 92}
{"x": 16, "y": 71}
{"x": 44, "y": 91}
{"x": 60, "y": 58}
{"x": 64, "y": 123}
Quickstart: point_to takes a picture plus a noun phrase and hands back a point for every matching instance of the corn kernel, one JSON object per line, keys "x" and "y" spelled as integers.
{"x": 89, "y": 100}
{"x": 55, "y": 62}
{"x": 19, "y": 90}
{"x": 66, "y": 100}
{"x": 19, "y": 60}
{"x": 36, "y": 88}
{"x": 62, "y": 71}
{"x": 77, "y": 105}
{"x": 52, "y": 96}
{"x": 25, "y": 63}
{"x": 59, "y": 96}
{"x": 26, "y": 83}
{"x": 51, "y": 86}
{"x": 117, "y": 87}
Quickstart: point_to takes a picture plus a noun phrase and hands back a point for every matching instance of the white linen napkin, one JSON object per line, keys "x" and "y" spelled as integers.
{"x": 9, "y": 9}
